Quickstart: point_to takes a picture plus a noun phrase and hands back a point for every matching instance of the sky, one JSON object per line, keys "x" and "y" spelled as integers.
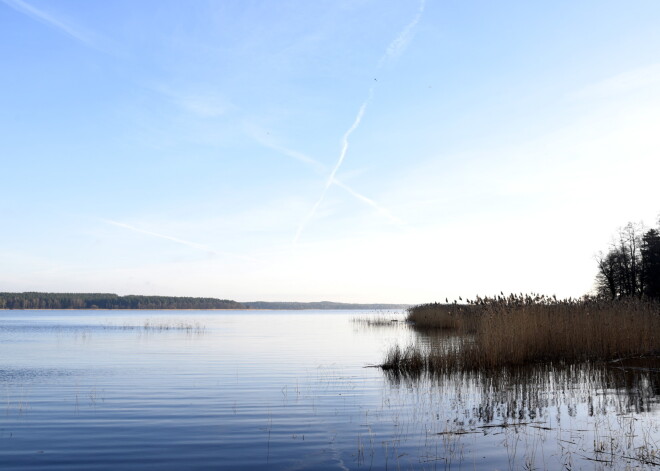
{"x": 353, "y": 151}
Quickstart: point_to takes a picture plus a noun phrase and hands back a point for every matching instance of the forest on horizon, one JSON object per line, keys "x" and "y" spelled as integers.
{"x": 37, "y": 300}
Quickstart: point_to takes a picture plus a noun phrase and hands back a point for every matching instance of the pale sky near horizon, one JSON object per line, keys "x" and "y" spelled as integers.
{"x": 355, "y": 151}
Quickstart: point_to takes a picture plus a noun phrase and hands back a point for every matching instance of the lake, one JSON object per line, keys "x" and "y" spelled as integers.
{"x": 288, "y": 390}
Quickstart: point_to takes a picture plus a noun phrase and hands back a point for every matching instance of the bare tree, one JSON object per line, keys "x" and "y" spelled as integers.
{"x": 619, "y": 270}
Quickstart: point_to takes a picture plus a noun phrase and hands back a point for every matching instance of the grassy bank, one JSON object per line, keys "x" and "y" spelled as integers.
{"x": 520, "y": 330}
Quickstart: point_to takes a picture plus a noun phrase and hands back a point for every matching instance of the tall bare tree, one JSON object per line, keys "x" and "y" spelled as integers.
{"x": 631, "y": 267}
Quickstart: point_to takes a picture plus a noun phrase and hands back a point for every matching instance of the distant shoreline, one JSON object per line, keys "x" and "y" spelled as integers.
{"x": 113, "y": 302}
{"x": 204, "y": 309}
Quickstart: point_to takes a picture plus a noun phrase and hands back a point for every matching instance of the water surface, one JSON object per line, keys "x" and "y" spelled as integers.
{"x": 293, "y": 390}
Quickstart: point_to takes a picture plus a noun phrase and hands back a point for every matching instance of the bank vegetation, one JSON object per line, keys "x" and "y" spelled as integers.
{"x": 620, "y": 321}
{"x": 517, "y": 330}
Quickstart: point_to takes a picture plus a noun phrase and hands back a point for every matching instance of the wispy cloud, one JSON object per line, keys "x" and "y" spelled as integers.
{"x": 201, "y": 103}
{"x": 204, "y": 106}
{"x": 399, "y": 44}
{"x": 621, "y": 83}
{"x": 73, "y": 31}
{"x": 176, "y": 240}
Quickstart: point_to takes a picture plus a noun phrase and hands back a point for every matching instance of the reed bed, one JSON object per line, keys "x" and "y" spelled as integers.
{"x": 155, "y": 325}
{"x": 378, "y": 320}
{"x": 450, "y": 317}
{"x": 522, "y": 329}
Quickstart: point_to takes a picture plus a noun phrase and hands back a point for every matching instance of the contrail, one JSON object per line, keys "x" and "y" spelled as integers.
{"x": 162, "y": 236}
{"x": 370, "y": 202}
{"x": 299, "y": 156}
{"x": 26, "y": 8}
{"x": 395, "y": 49}
{"x": 344, "y": 141}
{"x": 331, "y": 178}
{"x": 320, "y": 168}
{"x": 187, "y": 243}
{"x": 88, "y": 38}
{"x": 399, "y": 44}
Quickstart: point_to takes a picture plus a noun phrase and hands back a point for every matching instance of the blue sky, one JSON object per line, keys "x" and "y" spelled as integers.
{"x": 358, "y": 151}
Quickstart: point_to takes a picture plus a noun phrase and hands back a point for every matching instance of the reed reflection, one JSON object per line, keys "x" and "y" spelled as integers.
{"x": 531, "y": 393}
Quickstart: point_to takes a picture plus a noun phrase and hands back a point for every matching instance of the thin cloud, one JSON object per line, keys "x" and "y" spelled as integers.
{"x": 187, "y": 243}
{"x": 201, "y": 103}
{"x": 204, "y": 106}
{"x": 67, "y": 28}
{"x": 621, "y": 83}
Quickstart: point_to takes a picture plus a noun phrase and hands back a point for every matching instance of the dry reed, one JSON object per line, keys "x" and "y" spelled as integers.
{"x": 520, "y": 330}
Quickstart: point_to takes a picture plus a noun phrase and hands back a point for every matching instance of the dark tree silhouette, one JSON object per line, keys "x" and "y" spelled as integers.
{"x": 631, "y": 267}
{"x": 651, "y": 263}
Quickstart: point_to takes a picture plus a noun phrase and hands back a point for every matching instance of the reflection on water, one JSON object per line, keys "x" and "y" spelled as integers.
{"x": 603, "y": 414}
{"x": 289, "y": 390}
{"x": 571, "y": 417}
{"x": 525, "y": 393}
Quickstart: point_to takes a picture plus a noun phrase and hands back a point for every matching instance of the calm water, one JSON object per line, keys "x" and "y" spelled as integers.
{"x": 291, "y": 390}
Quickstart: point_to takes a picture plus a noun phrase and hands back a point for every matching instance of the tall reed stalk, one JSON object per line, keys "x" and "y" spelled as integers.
{"x": 522, "y": 329}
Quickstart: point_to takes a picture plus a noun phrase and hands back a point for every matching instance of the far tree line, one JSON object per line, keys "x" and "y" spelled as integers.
{"x": 631, "y": 266}
{"x": 33, "y": 300}
{"x": 36, "y": 300}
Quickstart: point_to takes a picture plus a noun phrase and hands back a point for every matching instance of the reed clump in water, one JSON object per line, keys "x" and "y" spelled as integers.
{"x": 156, "y": 325}
{"x": 379, "y": 320}
{"x": 451, "y": 317}
{"x": 406, "y": 360}
{"x": 521, "y": 329}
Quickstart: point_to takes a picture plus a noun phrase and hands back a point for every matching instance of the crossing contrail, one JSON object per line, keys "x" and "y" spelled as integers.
{"x": 331, "y": 178}
{"x": 395, "y": 49}
{"x": 322, "y": 169}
